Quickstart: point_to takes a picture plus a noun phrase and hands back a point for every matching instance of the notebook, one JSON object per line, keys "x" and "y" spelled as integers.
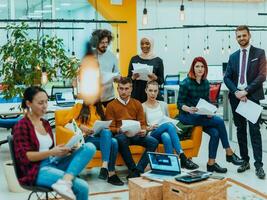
{"x": 65, "y": 99}
{"x": 163, "y": 166}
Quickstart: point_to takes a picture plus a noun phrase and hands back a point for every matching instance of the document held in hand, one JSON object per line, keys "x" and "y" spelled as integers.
{"x": 131, "y": 127}
{"x": 205, "y": 108}
{"x": 108, "y": 77}
{"x": 166, "y": 119}
{"x": 250, "y": 110}
{"x": 143, "y": 70}
{"x": 100, "y": 125}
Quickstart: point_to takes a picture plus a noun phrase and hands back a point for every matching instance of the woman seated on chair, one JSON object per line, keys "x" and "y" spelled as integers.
{"x": 192, "y": 88}
{"x": 85, "y": 115}
{"x": 34, "y": 148}
{"x": 165, "y": 133}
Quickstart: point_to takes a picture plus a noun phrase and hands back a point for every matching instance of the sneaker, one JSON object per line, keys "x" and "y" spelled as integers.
{"x": 234, "y": 159}
{"x": 115, "y": 180}
{"x": 216, "y": 168}
{"x": 245, "y": 166}
{"x": 63, "y": 188}
{"x": 188, "y": 164}
{"x": 260, "y": 173}
{"x": 103, "y": 174}
{"x": 133, "y": 174}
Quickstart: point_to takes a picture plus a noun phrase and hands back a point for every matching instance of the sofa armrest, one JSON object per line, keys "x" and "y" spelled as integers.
{"x": 63, "y": 135}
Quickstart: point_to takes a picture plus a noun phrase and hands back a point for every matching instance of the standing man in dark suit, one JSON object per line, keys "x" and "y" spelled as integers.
{"x": 245, "y": 73}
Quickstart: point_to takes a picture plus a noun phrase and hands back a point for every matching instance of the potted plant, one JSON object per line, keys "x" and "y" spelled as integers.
{"x": 25, "y": 59}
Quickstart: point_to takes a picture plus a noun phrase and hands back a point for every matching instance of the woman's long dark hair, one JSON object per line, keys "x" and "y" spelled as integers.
{"x": 85, "y": 113}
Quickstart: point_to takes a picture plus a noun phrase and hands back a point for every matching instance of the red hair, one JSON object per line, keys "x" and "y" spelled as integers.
{"x": 191, "y": 72}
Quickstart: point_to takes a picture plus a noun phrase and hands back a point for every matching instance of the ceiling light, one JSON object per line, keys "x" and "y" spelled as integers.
{"x": 48, "y": 6}
{"x": 144, "y": 18}
{"x": 182, "y": 13}
{"x": 65, "y": 4}
{"x": 3, "y": 5}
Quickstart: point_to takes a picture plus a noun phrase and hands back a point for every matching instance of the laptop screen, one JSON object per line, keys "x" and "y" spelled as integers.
{"x": 164, "y": 162}
{"x": 64, "y": 97}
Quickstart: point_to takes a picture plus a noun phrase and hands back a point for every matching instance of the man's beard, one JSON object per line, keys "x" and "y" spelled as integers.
{"x": 244, "y": 44}
{"x": 102, "y": 50}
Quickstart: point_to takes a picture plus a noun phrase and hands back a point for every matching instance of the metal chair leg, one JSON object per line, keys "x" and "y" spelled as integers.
{"x": 29, "y": 197}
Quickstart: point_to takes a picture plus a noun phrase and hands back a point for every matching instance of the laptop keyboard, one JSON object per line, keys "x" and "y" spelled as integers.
{"x": 66, "y": 104}
{"x": 164, "y": 173}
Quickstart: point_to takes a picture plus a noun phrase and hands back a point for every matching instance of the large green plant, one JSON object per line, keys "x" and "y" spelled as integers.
{"x": 23, "y": 59}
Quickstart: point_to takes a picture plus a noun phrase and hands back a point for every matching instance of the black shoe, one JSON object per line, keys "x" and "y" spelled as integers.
{"x": 245, "y": 166}
{"x": 188, "y": 164}
{"x": 103, "y": 174}
{"x": 260, "y": 173}
{"x": 234, "y": 159}
{"x": 115, "y": 180}
{"x": 216, "y": 168}
{"x": 133, "y": 174}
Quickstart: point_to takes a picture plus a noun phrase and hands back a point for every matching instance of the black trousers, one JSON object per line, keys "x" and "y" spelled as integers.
{"x": 255, "y": 135}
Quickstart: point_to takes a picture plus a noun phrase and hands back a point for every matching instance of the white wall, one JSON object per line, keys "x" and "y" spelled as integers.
{"x": 165, "y": 14}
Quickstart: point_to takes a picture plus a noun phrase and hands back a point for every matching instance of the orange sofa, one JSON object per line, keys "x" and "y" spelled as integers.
{"x": 190, "y": 146}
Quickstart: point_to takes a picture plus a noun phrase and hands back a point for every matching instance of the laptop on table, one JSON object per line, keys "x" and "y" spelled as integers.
{"x": 163, "y": 166}
{"x": 65, "y": 99}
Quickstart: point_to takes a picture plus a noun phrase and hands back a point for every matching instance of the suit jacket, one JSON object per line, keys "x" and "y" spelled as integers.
{"x": 256, "y": 73}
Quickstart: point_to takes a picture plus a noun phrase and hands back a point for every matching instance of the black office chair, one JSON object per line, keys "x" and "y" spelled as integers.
{"x": 34, "y": 189}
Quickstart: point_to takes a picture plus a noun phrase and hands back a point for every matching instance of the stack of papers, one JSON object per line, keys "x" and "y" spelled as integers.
{"x": 100, "y": 125}
{"x": 130, "y": 127}
{"x": 250, "y": 110}
{"x": 205, "y": 108}
{"x": 108, "y": 77}
{"x": 143, "y": 70}
{"x": 166, "y": 119}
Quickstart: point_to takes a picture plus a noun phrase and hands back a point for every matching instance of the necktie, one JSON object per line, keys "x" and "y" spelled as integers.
{"x": 243, "y": 66}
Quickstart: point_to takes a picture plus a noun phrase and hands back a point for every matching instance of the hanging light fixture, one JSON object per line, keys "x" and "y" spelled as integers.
{"x": 117, "y": 50}
{"x": 208, "y": 47}
{"x": 183, "y": 59}
{"x": 222, "y": 46}
{"x": 44, "y": 76}
{"x": 166, "y": 45}
{"x": 229, "y": 46}
{"x": 89, "y": 79}
{"x": 182, "y": 12}
{"x": 188, "y": 47}
{"x": 144, "y": 18}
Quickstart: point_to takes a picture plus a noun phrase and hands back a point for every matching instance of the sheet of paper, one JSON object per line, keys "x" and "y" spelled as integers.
{"x": 100, "y": 125}
{"x": 205, "y": 108}
{"x": 74, "y": 140}
{"x": 143, "y": 70}
{"x": 166, "y": 119}
{"x": 108, "y": 77}
{"x": 132, "y": 127}
{"x": 250, "y": 110}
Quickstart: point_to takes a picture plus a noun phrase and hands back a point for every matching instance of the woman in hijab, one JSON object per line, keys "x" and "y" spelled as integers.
{"x": 149, "y": 58}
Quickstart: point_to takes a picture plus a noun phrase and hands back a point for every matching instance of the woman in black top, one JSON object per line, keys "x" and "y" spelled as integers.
{"x": 146, "y": 57}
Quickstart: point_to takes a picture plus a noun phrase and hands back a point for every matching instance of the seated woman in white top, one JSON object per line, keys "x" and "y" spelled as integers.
{"x": 165, "y": 133}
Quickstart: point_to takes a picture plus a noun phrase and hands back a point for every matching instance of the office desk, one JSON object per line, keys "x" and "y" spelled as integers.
{"x": 174, "y": 88}
{"x": 9, "y": 109}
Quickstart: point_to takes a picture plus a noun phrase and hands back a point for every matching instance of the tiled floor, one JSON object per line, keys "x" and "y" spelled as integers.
{"x": 97, "y": 185}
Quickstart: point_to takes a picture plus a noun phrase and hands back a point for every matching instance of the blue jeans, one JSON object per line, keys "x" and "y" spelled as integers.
{"x": 73, "y": 164}
{"x": 213, "y": 126}
{"x": 167, "y": 134}
{"x": 108, "y": 147}
{"x": 124, "y": 142}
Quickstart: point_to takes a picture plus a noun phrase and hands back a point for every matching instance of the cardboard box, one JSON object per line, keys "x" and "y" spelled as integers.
{"x": 209, "y": 189}
{"x": 144, "y": 189}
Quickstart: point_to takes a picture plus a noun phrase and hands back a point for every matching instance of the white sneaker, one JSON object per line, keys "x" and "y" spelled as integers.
{"x": 63, "y": 188}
